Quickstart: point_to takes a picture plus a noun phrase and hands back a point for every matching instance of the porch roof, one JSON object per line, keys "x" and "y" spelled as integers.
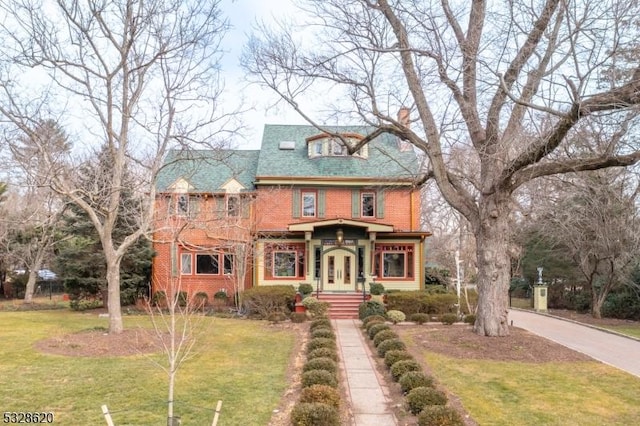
{"x": 311, "y": 226}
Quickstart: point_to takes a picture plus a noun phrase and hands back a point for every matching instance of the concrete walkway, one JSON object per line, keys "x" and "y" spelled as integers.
{"x": 617, "y": 351}
{"x": 369, "y": 401}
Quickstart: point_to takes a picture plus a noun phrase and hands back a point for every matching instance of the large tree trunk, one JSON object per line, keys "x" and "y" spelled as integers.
{"x": 494, "y": 272}
{"x": 33, "y": 277}
{"x": 113, "y": 287}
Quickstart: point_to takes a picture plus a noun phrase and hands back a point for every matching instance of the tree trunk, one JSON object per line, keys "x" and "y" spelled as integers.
{"x": 31, "y": 286}
{"x": 494, "y": 272}
{"x": 113, "y": 288}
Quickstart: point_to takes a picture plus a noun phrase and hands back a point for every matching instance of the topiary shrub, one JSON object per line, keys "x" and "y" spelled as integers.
{"x": 439, "y": 415}
{"x": 384, "y": 335}
{"x": 321, "y": 342}
{"x": 396, "y": 316}
{"x": 159, "y": 298}
{"x": 375, "y": 328}
{"x": 420, "y": 397}
{"x": 369, "y": 308}
{"x": 319, "y": 377}
{"x": 322, "y": 394}
{"x": 200, "y": 299}
{"x": 323, "y": 353}
{"x": 322, "y": 332}
{"x": 414, "y": 379}
{"x": 390, "y": 345}
{"x": 298, "y": 317}
{"x": 470, "y": 319}
{"x": 326, "y": 364}
{"x": 404, "y": 366}
{"x": 376, "y": 289}
{"x": 264, "y": 300}
{"x": 377, "y": 318}
{"x": 305, "y": 289}
{"x": 448, "y": 319}
{"x": 419, "y": 318}
{"x": 314, "y": 414}
{"x": 315, "y": 307}
{"x": 391, "y": 357}
{"x": 320, "y": 323}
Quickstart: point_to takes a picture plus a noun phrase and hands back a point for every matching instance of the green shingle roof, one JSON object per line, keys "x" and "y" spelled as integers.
{"x": 208, "y": 171}
{"x": 385, "y": 160}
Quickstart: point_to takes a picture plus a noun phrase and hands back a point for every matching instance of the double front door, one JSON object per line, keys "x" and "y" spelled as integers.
{"x": 338, "y": 272}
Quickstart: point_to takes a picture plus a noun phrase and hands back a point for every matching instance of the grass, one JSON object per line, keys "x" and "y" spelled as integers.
{"x": 507, "y": 393}
{"x": 241, "y": 362}
{"x": 629, "y": 330}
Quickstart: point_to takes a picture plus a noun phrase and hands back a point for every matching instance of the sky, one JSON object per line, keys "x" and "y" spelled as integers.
{"x": 242, "y": 15}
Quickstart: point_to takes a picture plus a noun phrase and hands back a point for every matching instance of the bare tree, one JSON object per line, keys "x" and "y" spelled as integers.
{"x": 131, "y": 78}
{"x": 510, "y": 80}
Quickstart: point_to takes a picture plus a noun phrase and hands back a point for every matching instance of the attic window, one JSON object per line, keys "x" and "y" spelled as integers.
{"x": 332, "y": 147}
{"x": 287, "y": 145}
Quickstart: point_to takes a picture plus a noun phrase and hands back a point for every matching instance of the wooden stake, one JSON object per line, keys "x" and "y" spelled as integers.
{"x": 107, "y": 415}
{"x": 215, "y": 417}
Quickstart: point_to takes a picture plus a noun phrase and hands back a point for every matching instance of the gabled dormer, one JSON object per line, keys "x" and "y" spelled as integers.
{"x": 325, "y": 145}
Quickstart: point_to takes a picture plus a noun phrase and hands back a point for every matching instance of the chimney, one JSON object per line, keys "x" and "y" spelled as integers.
{"x": 404, "y": 119}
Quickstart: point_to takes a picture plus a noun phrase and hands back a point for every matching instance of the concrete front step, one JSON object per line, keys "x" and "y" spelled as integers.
{"x": 343, "y": 305}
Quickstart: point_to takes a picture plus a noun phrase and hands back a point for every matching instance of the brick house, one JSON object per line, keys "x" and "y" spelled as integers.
{"x": 299, "y": 210}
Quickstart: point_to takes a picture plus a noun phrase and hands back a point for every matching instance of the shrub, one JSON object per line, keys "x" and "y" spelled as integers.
{"x": 376, "y": 289}
{"x": 414, "y": 379}
{"x": 322, "y": 332}
{"x": 396, "y": 316}
{"x": 367, "y": 309}
{"x": 412, "y": 302}
{"x": 441, "y": 303}
{"x": 420, "y": 397}
{"x": 320, "y": 323}
{"x": 305, "y": 289}
{"x": 221, "y": 295}
{"x": 319, "y": 377}
{"x": 439, "y": 415}
{"x": 404, "y": 366}
{"x": 391, "y": 357}
{"x": 322, "y": 394}
{"x": 298, "y": 317}
{"x": 200, "y": 299}
{"x": 419, "y": 318}
{"x": 448, "y": 319}
{"x": 384, "y": 335}
{"x": 181, "y": 297}
{"x": 375, "y": 328}
{"x": 276, "y": 317}
{"x": 314, "y": 414}
{"x": 326, "y": 364}
{"x": 315, "y": 307}
{"x": 390, "y": 345}
{"x": 321, "y": 342}
{"x": 323, "y": 353}
{"x": 159, "y": 298}
{"x": 264, "y": 300}
{"x": 470, "y": 319}
{"x": 367, "y": 320}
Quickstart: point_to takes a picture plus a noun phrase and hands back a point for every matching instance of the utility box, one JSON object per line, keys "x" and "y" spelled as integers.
{"x": 540, "y": 294}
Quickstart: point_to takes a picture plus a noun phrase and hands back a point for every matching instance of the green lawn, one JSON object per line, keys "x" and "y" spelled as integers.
{"x": 241, "y": 362}
{"x": 630, "y": 330}
{"x": 516, "y": 393}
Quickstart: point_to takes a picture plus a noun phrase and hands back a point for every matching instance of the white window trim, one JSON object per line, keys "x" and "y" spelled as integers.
{"x": 207, "y": 254}
{"x": 315, "y": 204}
{"x": 184, "y": 256}
{"x": 237, "y": 206}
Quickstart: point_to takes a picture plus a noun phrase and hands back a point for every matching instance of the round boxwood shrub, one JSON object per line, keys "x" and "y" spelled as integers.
{"x": 320, "y": 323}
{"x": 323, "y": 353}
{"x": 396, "y": 316}
{"x": 419, "y": 318}
{"x": 315, "y": 307}
{"x": 305, "y": 289}
{"x": 368, "y": 319}
{"x": 369, "y": 308}
{"x": 321, "y": 342}
{"x": 439, "y": 415}
{"x": 390, "y": 345}
{"x": 298, "y": 317}
{"x": 414, "y": 379}
{"x": 470, "y": 319}
{"x": 391, "y": 357}
{"x": 420, "y": 397}
{"x": 322, "y": 332}
{"x": 314, "y": 414}
{"x": 326, "y": 364}
{"x": 384, "y": 335}
{"x": 376, "y": 289}
{"x": 375, "y": 328}
{"x": 322, "y": 394}
{"x": 448, "y": 319}
{"x": 403, "y": 366}
{"x": 319, "y": 377}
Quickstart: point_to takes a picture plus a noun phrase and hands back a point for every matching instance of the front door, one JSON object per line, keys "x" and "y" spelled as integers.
{"x": 339, "y": 271}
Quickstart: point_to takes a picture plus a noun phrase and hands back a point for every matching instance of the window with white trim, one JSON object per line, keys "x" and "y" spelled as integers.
{"x": 228, "y": 264}
{"x": 185, "y": 264}
{"x": 207, "y": 264}
{"x": 394, "y": 261}
{"x": 233, "y": 206}
{"x": 368, "y": 203}
{"x": 308, "y": 204}
{"x": 284, "y": 261}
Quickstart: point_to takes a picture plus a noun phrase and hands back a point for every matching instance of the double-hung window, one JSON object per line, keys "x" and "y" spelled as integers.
{"x": 368, "y": 202}
{"x": 308, "y": 204}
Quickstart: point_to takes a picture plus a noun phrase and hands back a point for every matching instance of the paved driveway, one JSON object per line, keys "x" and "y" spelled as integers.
{"x": 611, "y": 349}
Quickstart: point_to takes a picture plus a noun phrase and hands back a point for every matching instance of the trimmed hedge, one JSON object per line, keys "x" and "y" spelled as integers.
{"x": 368, "y": 319}
{"x": 375, "y": 328}
{"x": 320, "y": 322}
{"x": 322, "y": 332}
{"x": 321, "y": 342}
{"x": 322, "y": 394}
{"x": 370, "y": 308}
{"x": 314, "y": 414}
{"x": 419, "y": 318}
{"x": 396, "y": 316}
{"x": 384, "y": 335}
{"x": 319, "y": 377}
{"x": 326, "y": 364}
{"x": 298, "y": 317}
{"x": 414, "y": 379}
{"x": 413, "y": 302}
{"x": 404, "y": 366}
{"x": 448, "y": 319}
{"x": 420, "y": 397}
{"x": 439, "y": 415}
{"x": 323, "y": 353}
{"x": 265, "y": 300}
{"x": 390, "y": 345}
{"x": 391, "y": 357}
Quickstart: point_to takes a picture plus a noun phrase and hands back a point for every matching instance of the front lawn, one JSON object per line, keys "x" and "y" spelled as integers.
{"x": 241, "y": 362}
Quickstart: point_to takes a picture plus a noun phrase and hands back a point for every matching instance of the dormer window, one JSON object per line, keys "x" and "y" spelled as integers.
{"x": 326, "y": 146}
{"x": 337, "y": 149}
